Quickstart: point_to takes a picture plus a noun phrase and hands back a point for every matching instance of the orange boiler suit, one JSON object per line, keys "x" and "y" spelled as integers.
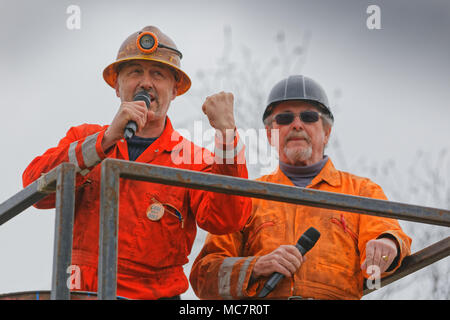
{"x": 151, "y": 254}
{"x": 332, "y": 267}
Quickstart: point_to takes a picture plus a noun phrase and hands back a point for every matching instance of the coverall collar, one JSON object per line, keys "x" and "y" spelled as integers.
{"x": 329, "y": 174}
{"x": 167, "y": 141}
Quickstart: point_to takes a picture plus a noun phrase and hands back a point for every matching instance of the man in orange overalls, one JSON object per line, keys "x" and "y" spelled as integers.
{"x": 157, "y": 223}
{"x": 298, "y": 123}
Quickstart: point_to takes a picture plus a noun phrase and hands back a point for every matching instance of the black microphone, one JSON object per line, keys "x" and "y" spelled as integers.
{"x": 304, "y": 244}
{"x": 131, "y": 128}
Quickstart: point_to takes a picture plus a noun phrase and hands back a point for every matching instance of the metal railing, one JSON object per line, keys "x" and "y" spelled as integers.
{"x": 62, "y": 181}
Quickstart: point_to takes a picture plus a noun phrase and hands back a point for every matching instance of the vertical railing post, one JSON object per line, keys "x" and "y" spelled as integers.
{"x": 109, "y": 214}
{"x": 64, "y": 217}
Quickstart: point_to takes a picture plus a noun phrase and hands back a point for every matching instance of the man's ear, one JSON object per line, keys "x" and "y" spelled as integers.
{"x": 174, "y": 90}
{"x": 117, "y": 87}
{"x": 327, "y": 135}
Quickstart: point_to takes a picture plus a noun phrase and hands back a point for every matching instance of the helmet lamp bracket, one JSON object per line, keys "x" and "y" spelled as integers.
{"x": 147, "y": 42}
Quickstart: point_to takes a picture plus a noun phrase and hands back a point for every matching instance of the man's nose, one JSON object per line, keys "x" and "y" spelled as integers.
{"x": 297, "y": 124}
{"x": 146, "y": 82}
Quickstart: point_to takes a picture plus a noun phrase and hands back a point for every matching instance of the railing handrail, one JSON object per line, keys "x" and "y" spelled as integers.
{"x": 62, "y": 181}
{"x": 278, "y": 192}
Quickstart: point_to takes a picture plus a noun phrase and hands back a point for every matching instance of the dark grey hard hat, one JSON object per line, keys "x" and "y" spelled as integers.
{"x": 297, "y": 87}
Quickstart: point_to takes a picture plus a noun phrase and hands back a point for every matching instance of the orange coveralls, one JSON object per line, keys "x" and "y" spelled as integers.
{"x": 332, "y": 268}
{"x": 151, "y": 254}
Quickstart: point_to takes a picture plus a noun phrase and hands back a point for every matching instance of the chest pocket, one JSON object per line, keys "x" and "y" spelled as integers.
{"x": 163, "y": 242}
{"x": 340, "y": 250}
{"x": 174, "y": 211}
{"x": 264, "y": 234}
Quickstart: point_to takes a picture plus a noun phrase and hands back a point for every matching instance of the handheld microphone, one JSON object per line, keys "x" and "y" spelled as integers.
{"x": 131, "y": 128}
{"x": 304, "y": 244}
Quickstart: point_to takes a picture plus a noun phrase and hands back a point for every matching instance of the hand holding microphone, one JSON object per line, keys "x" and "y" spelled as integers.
{"x": 131, "y": 127}
{"x": 304, "y": 244}
{"x": 130, "y": 117}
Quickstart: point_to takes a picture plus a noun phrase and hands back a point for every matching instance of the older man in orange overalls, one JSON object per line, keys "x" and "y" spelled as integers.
{"x": 237, "y": 265}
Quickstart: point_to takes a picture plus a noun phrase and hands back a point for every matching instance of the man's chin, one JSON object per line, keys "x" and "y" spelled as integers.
{"x": 298, "y": 155}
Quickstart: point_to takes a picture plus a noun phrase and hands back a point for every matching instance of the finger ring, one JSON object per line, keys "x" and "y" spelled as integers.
{"x": 385, "y": 258}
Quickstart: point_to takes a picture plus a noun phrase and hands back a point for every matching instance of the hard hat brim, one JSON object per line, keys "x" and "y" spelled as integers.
{"x": 110, "y": 73}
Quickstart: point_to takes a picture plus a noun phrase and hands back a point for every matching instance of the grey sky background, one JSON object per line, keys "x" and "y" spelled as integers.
{"x": 394, "y": 83}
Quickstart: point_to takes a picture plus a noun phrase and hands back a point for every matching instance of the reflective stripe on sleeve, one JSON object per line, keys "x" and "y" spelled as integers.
{"x": 89, "y": 152}
{"x": 230, "y": 153}
{"x": 242, "y": 274}
{"x": 225, "y": 277}
{"x": 73, "y": 155}
{"x": 225, "y": 272}
{"x": 90, "y": 156}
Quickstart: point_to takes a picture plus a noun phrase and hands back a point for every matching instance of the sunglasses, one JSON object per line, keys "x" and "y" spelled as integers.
{"x": 288, "y": 117}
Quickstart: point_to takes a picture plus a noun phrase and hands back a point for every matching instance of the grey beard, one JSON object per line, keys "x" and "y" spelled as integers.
{"x": 297, "y": 155}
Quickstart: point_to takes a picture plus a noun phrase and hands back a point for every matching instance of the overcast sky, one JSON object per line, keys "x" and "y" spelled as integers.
{"x": 394, "y": 82}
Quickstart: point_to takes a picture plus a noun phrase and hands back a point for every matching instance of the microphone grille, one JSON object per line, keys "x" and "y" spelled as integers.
{"x": 309, "y": 238}
{"x": 143, "y": 96}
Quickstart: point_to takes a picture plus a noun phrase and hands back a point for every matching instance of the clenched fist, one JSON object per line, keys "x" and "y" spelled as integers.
{"x": 219, "y": 110}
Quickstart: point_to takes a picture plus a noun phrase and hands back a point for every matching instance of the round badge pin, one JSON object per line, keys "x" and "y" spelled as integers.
{"x": 155, "y": 211}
